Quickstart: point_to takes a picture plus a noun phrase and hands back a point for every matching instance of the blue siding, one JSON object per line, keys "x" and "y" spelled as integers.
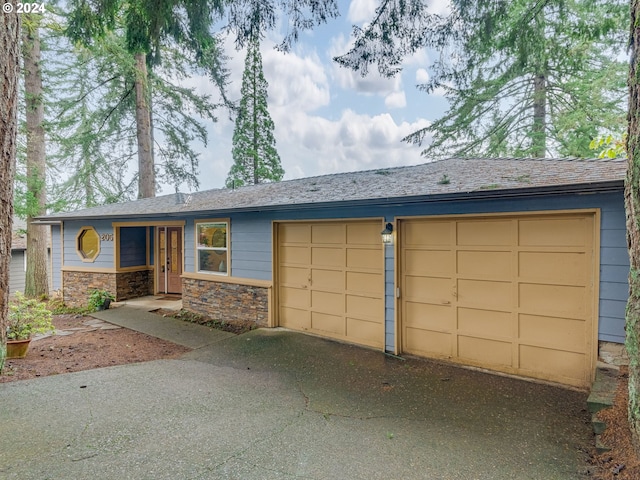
{"x": 614, "y": 270}
{"x": 251, "y": 240}
{"x": 104, "y": 259}
{"x": 56, "y": 257}
{"x": 389, "y": 299}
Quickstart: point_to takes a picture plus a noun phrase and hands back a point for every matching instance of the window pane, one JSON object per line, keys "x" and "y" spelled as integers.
{"x": 212, "y": 235}
{"x": 212, "y": 261}
{"x": 89, "y": 243}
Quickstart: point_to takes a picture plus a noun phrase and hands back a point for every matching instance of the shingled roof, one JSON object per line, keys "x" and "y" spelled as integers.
{"x": 450, "y": 177}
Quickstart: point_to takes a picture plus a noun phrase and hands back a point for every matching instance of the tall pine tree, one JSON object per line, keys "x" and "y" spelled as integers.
{"x": 529, "y": 78}
{"x": 255, "y": 157}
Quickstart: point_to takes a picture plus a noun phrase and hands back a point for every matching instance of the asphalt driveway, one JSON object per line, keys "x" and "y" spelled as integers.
{"x": 280, "y": 405}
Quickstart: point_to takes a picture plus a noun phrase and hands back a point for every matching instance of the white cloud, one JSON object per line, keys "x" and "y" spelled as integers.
{"x": 361, "y": 11}
{"x": 396, "y": 100}
{"x": 422, "y": 76}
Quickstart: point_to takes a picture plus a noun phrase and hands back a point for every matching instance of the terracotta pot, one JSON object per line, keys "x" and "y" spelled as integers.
{"x": 17, "y": 348}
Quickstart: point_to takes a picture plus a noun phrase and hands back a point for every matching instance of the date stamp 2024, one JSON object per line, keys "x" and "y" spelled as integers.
{"x": 24, "y": 7}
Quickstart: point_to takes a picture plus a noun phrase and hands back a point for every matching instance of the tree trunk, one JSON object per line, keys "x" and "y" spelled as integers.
{"x": 632, "y": 204}
{"x": 539, "y": 133}
{"x": 9, "y": 70}
{"x": 36, "y": 282}
{"x": 146, "y": 171}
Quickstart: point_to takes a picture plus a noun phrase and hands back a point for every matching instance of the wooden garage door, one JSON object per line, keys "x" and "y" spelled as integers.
{"x": 330, "y": 280}
{"x": 509, "y": 294}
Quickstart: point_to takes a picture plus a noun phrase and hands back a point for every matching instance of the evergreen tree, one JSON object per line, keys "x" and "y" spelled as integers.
{"x": 36, "y": 278}
{"x": 528, "y": 78}
{"x": 632, "y": 203}
{"x": 9, "y": 71}
{"x": 255, "y": 158}
{"x": 148, "y": 26}
{"x": 93, "y": 125}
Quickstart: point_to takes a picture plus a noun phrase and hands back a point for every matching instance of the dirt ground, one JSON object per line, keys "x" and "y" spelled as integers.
{"x": 621, "y": 463}
{"x": 95, "y": 348}
{"x": 86, "y": 349}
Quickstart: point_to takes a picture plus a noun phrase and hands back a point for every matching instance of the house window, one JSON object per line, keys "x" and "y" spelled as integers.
{"x": 88, "y": 244}
{"x": 212, "y": 252}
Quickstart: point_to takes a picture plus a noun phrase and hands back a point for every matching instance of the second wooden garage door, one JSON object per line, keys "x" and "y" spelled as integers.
{"x": 331, "y": 280}
{"x": 509, "y": 294}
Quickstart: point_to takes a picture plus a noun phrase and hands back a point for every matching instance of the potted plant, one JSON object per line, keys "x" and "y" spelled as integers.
{"x": 100, "y": 300}
{"x": 27, "y": 317}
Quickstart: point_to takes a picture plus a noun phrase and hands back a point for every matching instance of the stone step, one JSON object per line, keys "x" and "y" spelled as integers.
{"x": 603, "y": 390}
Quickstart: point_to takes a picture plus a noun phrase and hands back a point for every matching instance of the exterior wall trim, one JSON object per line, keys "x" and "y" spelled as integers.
{"x": 234, "y": 280}
{"x": 157, "y": 223}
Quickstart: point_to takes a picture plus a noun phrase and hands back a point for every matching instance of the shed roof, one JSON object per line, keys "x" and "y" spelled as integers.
{"x": 441, "y": 179}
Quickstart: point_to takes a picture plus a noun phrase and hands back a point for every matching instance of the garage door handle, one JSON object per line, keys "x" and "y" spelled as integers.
{"x": 446, "y": 302}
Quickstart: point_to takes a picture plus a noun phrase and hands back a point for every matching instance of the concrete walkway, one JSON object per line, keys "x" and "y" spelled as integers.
{"x": 167, "y": 328}
{"x": 273, "y": 404}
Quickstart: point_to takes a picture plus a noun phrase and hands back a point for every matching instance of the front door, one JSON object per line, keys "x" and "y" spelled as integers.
{"x": 169, "y": 259}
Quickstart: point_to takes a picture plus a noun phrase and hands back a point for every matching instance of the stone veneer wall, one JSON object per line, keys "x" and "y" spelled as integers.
{"x": 226, "y": 301}
{"x": 77, "y": 286}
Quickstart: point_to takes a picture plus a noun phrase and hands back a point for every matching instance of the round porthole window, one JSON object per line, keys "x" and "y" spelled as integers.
{"x": 88, "y": 244}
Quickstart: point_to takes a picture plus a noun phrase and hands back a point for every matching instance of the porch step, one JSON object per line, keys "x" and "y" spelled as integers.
{"x": 602, "y": 396}
{"x": 603, "y": 390}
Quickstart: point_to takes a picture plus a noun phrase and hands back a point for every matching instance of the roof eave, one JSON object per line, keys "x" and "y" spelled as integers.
{"x": 578, "y": 188}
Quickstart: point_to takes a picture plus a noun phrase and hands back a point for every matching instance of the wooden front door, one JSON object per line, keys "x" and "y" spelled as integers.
{"x": 169, "y": 259}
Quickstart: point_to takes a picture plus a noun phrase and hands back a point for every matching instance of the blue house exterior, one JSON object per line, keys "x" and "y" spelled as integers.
{"x": 307, "y": 254}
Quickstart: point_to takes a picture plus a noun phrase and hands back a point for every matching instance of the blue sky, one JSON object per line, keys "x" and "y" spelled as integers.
{"x": 327, "y": 118}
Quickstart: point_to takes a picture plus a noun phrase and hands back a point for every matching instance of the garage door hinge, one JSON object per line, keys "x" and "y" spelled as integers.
{"x": 398, "y": 292}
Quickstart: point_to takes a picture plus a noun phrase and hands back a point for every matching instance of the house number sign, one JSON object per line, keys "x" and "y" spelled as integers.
{"x": 106, "y": 237}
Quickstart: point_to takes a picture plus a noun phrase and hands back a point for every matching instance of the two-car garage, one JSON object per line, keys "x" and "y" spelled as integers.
{"x": 510, "y": 293}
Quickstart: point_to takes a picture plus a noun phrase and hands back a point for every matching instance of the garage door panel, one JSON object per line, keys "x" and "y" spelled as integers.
{"x": 294, "y": 233}
{"x": 367, "y": 333}
{"x": 568, "y": 333}
{"x": 558, "y": 232}
{"x": 485, "y": 351}
{"x": 294, "y": 255}
{"x": 327, "y": 233}
{"x": 327, "y": 279}
{"x": 327, "y": 257}
{"x": 364, "y": 258}
{"x": 427, "y": 233}
{"x": 372, "y": 283}
{"x": 485, "y": 323}
{"x": 431, "y": 262}
{"x": 331, "y": 280}
{"x": 293, "y": 276}
{"x": 490, "y": 294}
{"x": 554, "y": 267}
{"x": 557, "y": 300}
{"x": 327, "y": 302}
{"x": 487, "y": 264}
{"x": 434, "y": 290}
{"x": 295, "y": 318}
{"x": 364, "y": 307}
{"x": 427, "y": 316}
{"x": 364, "y": 234}
{"x": 511, "y": 293}
{"x": 322, "y": 322}
{"x": 484, "y": 233}
{"x": 294, "y": 297}
{"x": 554, "y": 364}
{"x": 428, "y": 343}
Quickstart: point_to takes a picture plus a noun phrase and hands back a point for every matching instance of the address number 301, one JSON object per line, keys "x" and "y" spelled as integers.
{"x": 107, "y": 237}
